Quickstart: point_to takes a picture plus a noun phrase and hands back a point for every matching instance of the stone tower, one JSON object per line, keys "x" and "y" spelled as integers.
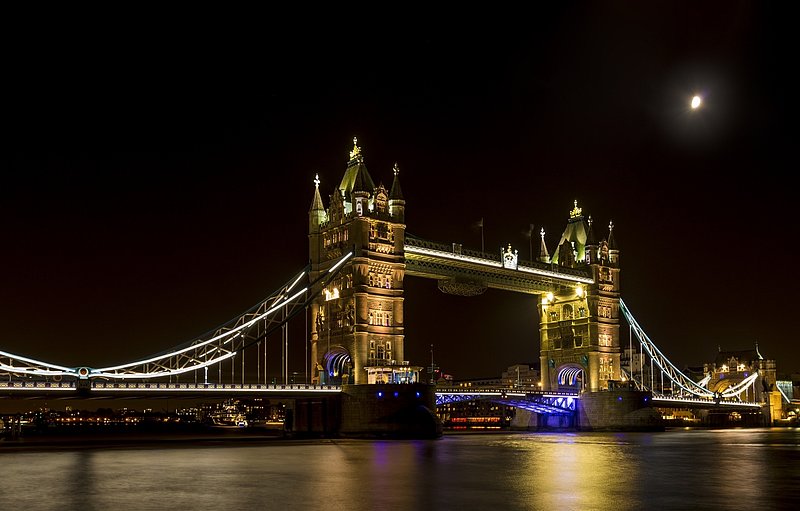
{"x": 357, "y": 328}
{"x": 579, "y": 328}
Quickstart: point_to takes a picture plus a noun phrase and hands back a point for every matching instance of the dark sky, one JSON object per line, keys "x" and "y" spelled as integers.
{"x": 157, "y": 169}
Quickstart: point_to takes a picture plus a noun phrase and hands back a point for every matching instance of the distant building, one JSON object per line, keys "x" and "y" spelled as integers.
{"x": 731, "y": 367}
{"x": 524, "y": 376}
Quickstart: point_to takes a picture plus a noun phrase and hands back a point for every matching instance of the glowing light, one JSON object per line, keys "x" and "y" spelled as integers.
{"x": 579, "y": 291}
{"x": 341, "y": 261}
{"x": 550, "y": 297}
{"x": 696, "y": 101}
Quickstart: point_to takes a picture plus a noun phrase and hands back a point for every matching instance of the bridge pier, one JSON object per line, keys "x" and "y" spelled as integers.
{"x": 389, "y": 411}
{"x": 368, "y": 411}
{"x": 525, "y": 420}
{"x": 618, "y": 410}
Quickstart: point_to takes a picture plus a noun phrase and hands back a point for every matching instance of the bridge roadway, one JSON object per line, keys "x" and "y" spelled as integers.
{"x": 531, "y": 400}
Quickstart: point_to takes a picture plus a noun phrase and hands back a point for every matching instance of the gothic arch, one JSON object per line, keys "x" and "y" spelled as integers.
{"x": 571, "y": 376}
{"x": 338, "y": 366}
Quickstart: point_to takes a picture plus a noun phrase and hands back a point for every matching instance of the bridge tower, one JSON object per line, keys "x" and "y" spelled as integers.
{"x": 579, "y": 328}
{"x": 357, "y": 328}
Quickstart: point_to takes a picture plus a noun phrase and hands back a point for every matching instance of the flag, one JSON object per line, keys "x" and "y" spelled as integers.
{"x": 529, "y": 232}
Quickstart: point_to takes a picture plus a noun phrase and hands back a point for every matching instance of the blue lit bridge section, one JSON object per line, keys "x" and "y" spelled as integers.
{"x": 554, "y": 403}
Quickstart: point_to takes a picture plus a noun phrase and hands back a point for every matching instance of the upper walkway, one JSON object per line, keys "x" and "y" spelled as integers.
{"x": 441, "y": 261}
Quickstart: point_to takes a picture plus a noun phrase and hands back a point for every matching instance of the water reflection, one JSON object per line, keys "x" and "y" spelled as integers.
{"x": 530, "y": 471}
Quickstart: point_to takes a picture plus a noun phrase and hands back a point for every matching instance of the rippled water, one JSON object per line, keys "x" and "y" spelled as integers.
{"x": 676, "y": 469}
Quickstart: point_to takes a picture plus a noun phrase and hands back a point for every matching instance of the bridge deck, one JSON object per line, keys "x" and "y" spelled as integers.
{"x": 440, "y": 261}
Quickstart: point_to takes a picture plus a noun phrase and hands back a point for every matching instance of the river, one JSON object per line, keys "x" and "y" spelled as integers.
{"x": 676, "y": 469}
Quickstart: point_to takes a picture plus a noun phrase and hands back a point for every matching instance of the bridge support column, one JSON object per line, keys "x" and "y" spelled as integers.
{"x": 389, "y": 411}
{"x": 618, "y": 410}
{"x": 531, "y": 421}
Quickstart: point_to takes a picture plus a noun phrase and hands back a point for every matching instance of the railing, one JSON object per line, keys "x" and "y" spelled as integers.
{"x": 494, "y": 257}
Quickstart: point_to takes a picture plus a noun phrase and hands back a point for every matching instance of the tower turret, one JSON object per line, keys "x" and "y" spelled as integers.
{"x": 316, "y": 214}
{"x": 591, "y": 243}
{"x": 397, "y": 204}
{"x": 613, "y": 250}
{"x": 544, "y": 255}
{"x": 316, "y": 219}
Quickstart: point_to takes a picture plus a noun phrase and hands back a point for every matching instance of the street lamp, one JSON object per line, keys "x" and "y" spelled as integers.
{"x": 696, "y": 102}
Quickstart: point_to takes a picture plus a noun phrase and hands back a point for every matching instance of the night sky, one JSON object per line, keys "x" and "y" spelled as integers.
{"x": 158, "y": 170}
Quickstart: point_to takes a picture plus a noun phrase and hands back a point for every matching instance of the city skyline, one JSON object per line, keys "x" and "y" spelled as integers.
{"x": 156, "y": 190}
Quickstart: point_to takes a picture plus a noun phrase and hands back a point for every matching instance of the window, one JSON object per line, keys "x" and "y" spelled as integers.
{"x": 567, "y": 312}
{"x": 380, "y": 317}
{"x": 606, "y": 368}
{"x": 582, "y": 312}
{"x": 553, "y": 316}
{"x": 605, "y": 340}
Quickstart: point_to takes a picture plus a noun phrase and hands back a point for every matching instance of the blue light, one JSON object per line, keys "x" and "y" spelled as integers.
{"x": 619, "y": 398}
{"x": 417, "y": 394}
{"x": 646, "y": 399}
{"x": 380, "y": 394}
{"x": 396, "y": 394}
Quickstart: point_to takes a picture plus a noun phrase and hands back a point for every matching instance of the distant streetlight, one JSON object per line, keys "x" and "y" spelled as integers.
{"x": 696, "y": 101}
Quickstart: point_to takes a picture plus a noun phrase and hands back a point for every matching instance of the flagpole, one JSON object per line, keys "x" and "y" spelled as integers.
{"x": 530, "y": 240}
{"x": 482, "y": 249}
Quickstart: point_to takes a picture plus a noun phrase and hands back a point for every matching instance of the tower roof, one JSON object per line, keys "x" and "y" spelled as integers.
{"x": 544, "y": 256}
{"x": 590, "y": 239}
{"x": 612, "y": 243}
{"x": 396, "y": 193}
{"x": 743, "y": 356}
{"x": 356, "y": 177}
{"x": 316, "y": 202}
{"x": 574, "y": 234}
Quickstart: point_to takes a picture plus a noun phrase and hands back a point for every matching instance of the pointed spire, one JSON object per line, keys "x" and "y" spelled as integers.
{"x": 612, "y": 243}
{"x": 544, "y": 256}
{"x": 396, "y": 193}
{"x": 316, "y": 215}
{"x": 316, "y": 203}
{"x": 590, "y": 239}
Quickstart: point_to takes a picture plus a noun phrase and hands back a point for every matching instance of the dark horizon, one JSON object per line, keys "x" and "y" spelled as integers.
{"x": 158, "y": 186}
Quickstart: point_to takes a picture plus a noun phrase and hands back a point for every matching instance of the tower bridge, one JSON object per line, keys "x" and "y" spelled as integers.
{"x": 352, "y": 289}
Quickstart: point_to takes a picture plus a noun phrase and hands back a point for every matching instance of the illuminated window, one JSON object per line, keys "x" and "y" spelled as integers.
{"x": 582, "y": 312}
{"x": 567, "y": 312}
{"x": 606, "y": 368}
{"x": 380, "y": 317}
{"x": 553, "y": 316}
{"x": 605, "y": 339}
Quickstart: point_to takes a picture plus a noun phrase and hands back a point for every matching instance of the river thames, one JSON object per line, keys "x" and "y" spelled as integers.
{"x": 675, "y": 469}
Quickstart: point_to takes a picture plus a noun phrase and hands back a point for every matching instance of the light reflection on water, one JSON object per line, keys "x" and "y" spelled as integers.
{"x": 695, "y": 469}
